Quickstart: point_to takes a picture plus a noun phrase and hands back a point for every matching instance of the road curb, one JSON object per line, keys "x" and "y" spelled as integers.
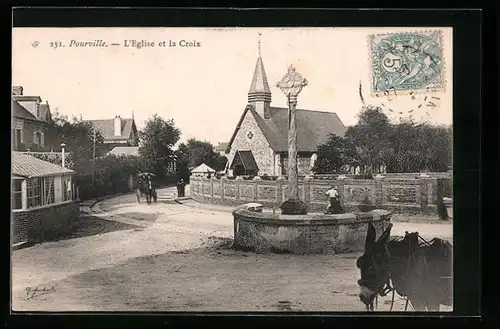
{"x": 196, "y": 203}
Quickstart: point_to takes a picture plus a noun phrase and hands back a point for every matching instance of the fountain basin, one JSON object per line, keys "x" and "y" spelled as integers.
{"x": 305, "y": 234}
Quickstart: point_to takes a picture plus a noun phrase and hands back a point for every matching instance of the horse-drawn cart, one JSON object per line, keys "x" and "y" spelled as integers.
{"x": 145, "y": 187}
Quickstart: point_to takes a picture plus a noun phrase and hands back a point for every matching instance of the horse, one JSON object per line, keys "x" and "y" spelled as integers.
{"x": 150, "y": 191}
{"x": 146, "y": 188}
{"x": 419, "y": 270}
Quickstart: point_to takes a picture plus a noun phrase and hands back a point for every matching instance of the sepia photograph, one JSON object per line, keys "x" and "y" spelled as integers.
{"x": 232, "y": 169}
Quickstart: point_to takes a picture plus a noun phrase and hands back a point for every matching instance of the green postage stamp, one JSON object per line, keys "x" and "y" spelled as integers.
{"x": 407, "y": 62}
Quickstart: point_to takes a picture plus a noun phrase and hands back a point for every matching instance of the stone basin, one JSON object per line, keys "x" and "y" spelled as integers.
{"x": 305, "y": 234}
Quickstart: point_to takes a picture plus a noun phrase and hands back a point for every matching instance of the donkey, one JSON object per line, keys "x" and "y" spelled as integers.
{"x": 419, "y": 270}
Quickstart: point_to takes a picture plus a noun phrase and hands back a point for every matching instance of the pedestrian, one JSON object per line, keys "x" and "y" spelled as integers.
{"x": 180, "y": 188}
{"x": 334, "y": 207}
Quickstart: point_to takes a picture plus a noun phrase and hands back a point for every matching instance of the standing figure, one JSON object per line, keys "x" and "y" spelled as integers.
{"x": 180, "y": 188}
{"x": 334, "y": 207}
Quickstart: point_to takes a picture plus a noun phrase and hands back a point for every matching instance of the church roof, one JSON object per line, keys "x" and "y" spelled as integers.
{"x": 259, "y": 82}
{"x": 313, "y": 128}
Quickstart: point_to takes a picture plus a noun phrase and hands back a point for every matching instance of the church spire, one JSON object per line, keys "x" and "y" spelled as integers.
{"x": 259, "y": 95}
{"x": 259, "y": 44}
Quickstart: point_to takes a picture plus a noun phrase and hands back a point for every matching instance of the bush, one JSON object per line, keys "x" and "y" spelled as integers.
{"x": 293, "y": 207}
{"x": 112, "y": 174}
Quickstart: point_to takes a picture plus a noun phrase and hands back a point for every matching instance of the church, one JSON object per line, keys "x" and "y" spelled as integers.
{"x": 259, "y": 144}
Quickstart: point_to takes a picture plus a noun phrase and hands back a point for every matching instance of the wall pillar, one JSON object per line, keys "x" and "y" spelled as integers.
{"x": 378, "y": 193}
{"x": 24, "y": 195}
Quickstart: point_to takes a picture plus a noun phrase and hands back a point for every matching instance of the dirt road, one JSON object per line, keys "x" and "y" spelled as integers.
{"x": 172, "y": 257}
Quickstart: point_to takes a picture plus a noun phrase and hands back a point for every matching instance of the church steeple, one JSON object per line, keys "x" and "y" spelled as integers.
{"x": 259, "y": 95}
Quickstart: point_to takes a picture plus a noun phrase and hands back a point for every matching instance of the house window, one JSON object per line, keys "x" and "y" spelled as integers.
{"x": 49, "y": 190}
{"x": 17, "y": 196}
{"x": 17, "y": 138}
{"x": 37, "y": 139}
{"x": 34, "y": 192}
{"x": 66, "y": 185}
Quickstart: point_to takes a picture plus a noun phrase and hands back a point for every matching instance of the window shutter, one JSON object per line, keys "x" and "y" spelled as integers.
{"x": 42, "y": 139}
{"x": 34, "y": 138}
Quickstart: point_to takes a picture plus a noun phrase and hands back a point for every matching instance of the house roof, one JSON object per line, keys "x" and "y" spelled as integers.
{"x": 203, "y": 168}
{"x": 18, "y": 111}
{"x": 313, "y": 128}
{"x": 247, "y": 160}
{"x": 107, "y": 128}
{"x": 27, "y": 98}
{"x": 27, "y": 166}
{"x": 125, "y": 150}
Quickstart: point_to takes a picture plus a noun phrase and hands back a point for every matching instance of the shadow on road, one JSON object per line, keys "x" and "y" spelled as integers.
{"x": 141, "y": 216}
{"x": 87, "y": 225}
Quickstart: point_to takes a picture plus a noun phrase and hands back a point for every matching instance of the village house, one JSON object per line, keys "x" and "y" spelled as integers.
{"x": 221, "y": 148}
{"x": 42, "y": 200}
{"x": 29, "y": 121}
{"x": 117, "y": 131}
{"x": 259, "y": 144}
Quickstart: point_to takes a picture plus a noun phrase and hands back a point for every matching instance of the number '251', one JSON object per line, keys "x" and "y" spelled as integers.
{"x": 56, "y": 44}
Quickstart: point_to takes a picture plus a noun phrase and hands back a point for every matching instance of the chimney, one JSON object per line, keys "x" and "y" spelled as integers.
{"x": 17, "y": 90}
{"x": 118, "y": 126}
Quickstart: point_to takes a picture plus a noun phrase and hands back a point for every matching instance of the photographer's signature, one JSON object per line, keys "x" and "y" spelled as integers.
{"x": 32, "y": 292}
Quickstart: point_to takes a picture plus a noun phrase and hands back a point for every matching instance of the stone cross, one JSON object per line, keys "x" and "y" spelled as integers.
{"x": 291, "y": 85}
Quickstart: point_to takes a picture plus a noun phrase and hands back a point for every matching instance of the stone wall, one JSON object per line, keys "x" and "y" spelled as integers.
{"x": 400, "y": 195}
{"x": 303, "y": 163}
{"x": 316, "y": 234}
{"x": 43, "y": 223}
{"x": 250, "y": 137}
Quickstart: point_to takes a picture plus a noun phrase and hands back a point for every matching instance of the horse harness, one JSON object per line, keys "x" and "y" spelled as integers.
{"x": 412, "y": 253}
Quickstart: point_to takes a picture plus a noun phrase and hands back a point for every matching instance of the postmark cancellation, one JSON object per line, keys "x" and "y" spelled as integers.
{"x": 407, "y": 62}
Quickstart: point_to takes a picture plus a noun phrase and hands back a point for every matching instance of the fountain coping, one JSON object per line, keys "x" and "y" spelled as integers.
{"x": 313, "y": 219}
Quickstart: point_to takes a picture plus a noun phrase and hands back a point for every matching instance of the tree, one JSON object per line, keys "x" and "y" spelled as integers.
{"x": 196, "y": 152}
{"x": 420, "y": 147}
{"x": 156, "y": 141}
{"x": 438, "y": 147}
{"x": 335, "y": 156}
{"x": 220, "y": 162}
{"x": 192, "y": 154}
{"x": 371, "y": 136}
{"x": 79, "y": 139}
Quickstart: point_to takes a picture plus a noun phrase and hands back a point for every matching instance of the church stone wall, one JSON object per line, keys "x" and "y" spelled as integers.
{"x": 258, "y": 144}
{"x": 303, "y": 165}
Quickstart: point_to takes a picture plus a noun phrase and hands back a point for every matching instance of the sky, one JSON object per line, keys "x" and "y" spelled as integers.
{"x": 204, "y": 88}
